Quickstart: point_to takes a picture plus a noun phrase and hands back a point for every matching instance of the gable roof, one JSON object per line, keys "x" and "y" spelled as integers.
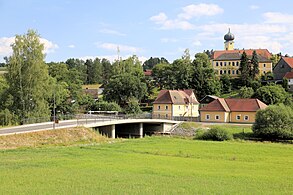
{"x": 289, "y": 75}
{"x": 234, "y": 105}
{"x": 289, "y": 61}
{"x": 216, "y": 105}
{"x": 208, "y": 99}
{"x": 263, "y": 54}
{"x": 176, "y": 97}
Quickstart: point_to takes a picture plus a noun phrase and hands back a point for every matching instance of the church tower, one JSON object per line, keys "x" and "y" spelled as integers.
{"x": 229, "y": 41}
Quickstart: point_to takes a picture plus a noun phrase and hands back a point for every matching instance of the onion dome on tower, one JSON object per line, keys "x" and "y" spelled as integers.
{"x": 229, "y": 36}
{"x": 229, "y": 41}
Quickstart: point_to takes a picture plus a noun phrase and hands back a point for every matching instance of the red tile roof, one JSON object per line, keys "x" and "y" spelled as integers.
{"x": 262, "y": 52}
{"x": 176, "y": 97}
{"x": 289, "y": 75}
{"x": 289, "y": 61}
{"x": 148, "y": 72}
{"x": 241, "y": 105}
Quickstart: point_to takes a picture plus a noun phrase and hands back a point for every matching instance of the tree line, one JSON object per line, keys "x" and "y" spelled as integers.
{"x": 32, "y": 88}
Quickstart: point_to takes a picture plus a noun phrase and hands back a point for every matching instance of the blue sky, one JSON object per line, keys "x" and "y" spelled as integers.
{"x": 154, "y": 28}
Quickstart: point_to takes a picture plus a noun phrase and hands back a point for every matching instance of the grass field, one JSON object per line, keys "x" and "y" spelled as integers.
{"x": 152, "y": 165}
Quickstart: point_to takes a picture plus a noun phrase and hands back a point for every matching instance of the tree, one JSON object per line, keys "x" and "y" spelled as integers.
{"x": 133, "y": 106}
{"x": 124, "y": 86}
{"x": 254, "y": 66}
{"x": 244, "y": 69}
{"x": 181, "y": 73}
{"x": 107, "y": 70}
{"x": 93, "y": 71}
{"x": 275, "y": 58}
{"x": 164, "y": 76}
{"x": 272, "y": 94}
{"x": 28, "y": 77}
{"x": 226, "y": 83}
{"x": 275, "y": 122}
{"x": 152, "y": 62}
{"x": 204, "y": 80}
{"x": 246, "y": 92}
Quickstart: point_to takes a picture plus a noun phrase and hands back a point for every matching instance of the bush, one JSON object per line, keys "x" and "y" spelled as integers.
{"x": 274, "y": 122}
{"x": 105, "y": 106}
{"x": 214, "y": 134}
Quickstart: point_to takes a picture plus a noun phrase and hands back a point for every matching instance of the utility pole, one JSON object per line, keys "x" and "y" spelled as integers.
{"x": 54, "y": 111}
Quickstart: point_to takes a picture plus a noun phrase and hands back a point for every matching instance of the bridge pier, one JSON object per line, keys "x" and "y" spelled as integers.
{"x": 113, "y": 131}
{"x": 141, "y": 130}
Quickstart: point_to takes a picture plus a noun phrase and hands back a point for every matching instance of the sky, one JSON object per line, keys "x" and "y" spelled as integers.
{"x": 151, "y": 28}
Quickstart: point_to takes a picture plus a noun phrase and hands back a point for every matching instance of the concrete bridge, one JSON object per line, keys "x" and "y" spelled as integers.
{"x": 112, "y": 127}
{"x": 133, "y": 127}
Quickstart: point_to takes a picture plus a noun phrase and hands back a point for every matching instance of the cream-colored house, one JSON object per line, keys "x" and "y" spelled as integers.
{"x": 228, "y": 61}
{"x": 175, "y": 103}
{"x": 231, "y": 110}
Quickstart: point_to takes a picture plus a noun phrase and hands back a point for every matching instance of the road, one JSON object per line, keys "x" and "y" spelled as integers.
{"x": 49, "y": 125}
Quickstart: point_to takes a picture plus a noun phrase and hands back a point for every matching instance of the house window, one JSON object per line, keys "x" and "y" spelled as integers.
{"x": 237, "y": 63}
{"x": 225, "y": 71}
{"x": 264, "y": 65}
{"x": 237, "y": 71}
{"x": 233, "y": 71}
{"x": 166, "y": 108}
{"x": 221, "y": 72}
{"x": 246, "y": 118}
{"x": 221, "y": 64}
{"x": 159, "y": 107}
{"x": 238, "y": 117}
{"x": 229, "y": 63}
{"x": 179, "y": 107}
{"x": 217, "y": 117}
{"x": 233, "y": 63}
{"x": 225, "y": 63}
{"x": 217, "y": 64}
{"x": 166, "y": 115}
{"x": 229, "y": 71}
{"x": 264, "y": 72}
{"x": 207, "y": 117}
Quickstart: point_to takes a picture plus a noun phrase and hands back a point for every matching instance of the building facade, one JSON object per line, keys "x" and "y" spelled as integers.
{"x": 284, "y": 65}
{"x": 289, "y": 77}
{"x": 228, "y": 61}
{"x": 175, "y": 103}
{"x": 231, "y": 110}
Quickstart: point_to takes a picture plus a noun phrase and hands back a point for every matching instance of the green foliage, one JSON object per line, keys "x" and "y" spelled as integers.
{"x": 246, "y": 92}
{"x": 28, "y": 78}
{"x": 152, "y": 62}
{"x": 254, "y": 66}
{"x": 181, "y": 71}
{"x": 272, "y": 94}
{"x": 275, "y": 122}
{"x": 7, "y": 118}
{"x": 244, "y": 69}
{"x": 226, "y": 83}
{"x": 204, "y": 81}
{"x": 105, "y": 106}
{"x": 215, "y": 134}
{"x": 133, "y": 107}
{"x": 93, "y": 71}
{"x": 275, "y": 58}
{"x": 124, "y": 86}
{"x": 164, "y": 77}
{"x": 285, "y": 84}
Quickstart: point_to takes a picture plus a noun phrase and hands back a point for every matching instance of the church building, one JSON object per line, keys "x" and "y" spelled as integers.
{"x": 227, "y": 61}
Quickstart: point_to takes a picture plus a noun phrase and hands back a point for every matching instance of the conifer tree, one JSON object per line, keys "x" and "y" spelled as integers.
{"x": 244, "y": 69}
{"x": 254, "y": 65}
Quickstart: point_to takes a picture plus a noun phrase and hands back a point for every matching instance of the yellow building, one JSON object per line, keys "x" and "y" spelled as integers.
{"x": 175, "y": 103}
{"x": 227, "y": 61}
{"x": 231, "y": 110}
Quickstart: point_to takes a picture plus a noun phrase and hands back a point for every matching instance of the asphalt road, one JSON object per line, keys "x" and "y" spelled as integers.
{"x": 50, "y": 125}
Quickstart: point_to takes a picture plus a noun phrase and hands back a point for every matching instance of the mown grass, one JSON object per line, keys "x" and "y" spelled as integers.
{"x": 152, "y": 165}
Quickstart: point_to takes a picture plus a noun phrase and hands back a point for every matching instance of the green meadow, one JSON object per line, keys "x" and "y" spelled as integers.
{"x": 152, "y": 165}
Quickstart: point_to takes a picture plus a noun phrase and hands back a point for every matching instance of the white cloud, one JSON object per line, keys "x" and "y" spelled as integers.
{"x": 122, "y": 48}
{"x": 254, "y": 7}
{"x": 5, "y": 45}
{"x": 71, "y": 46}
{"x": 49, "y": 46}
{"x": 111, "y": 32}
{"x": 166, "y": 24}
{"x": 169, "y": 40}
{"x": 160, "y": 18}
{"x": 196, "y": 43}
{"x": 277, "y": 17}
{"x": 202, "y": 9}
